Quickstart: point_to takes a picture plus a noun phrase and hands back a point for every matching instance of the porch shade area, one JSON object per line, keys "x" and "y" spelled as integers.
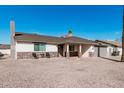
{"x": 70, "y": 50}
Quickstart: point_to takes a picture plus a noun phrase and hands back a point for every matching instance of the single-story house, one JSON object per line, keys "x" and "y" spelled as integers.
{"x": 5, "y": 49}
{"x": 106, "y": 48}
{"x": 25, "y": 45}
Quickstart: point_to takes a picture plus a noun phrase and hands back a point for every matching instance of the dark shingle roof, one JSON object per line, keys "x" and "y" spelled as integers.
{"x": 75, "y": 39}
{"x": 37, "y": 38}
{"x": 50, "y": 39}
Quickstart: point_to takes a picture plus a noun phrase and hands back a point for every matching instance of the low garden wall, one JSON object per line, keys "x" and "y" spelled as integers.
{"x": 36, "y": 55}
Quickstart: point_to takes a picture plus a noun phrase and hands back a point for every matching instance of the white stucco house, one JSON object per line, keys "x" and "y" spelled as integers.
{"x": 26, "y": 45}
{"x": 107, "y": 48}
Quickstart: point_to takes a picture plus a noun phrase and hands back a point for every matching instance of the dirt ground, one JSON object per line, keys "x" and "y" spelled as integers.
{"x": 62, "y": 73}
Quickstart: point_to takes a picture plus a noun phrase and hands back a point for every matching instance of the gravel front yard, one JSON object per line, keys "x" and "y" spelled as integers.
{"x": 62, "y": 72}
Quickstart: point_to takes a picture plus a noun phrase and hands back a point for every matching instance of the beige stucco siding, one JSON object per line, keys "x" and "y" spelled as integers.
{"x": 24, "y": 47}
{"x": 103, "y": 51}
{"x": 29, "y": 47}
{"x": 86, "y": 49}
{"x": 120, "y": 51}
{"x": 51, "y": 48}
{"x": 76, "y": 47}
{"x": 107, "y": 51}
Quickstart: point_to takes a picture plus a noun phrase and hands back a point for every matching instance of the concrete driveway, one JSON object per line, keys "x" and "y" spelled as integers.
{"x": 62, "y": 73}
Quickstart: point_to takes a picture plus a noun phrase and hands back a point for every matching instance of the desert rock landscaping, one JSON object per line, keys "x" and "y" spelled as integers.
{"x": 61, "y": 73}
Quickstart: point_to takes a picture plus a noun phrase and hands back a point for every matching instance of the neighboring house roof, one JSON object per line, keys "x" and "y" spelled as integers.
{"x": 106, "y": 42}
{"x": 50, "y": 39}
{"x": 4, "y": 46}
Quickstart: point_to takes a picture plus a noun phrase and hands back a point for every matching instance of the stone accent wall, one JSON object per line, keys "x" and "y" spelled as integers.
{"x": 36, "y": 55}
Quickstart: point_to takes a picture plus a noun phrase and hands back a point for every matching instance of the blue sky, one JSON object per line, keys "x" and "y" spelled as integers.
{"x": 91, "y": 22}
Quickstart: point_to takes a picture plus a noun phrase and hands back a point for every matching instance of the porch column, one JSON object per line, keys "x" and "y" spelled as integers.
{"x": 64, "y": 50}
{"x": 80, "y": 50}
{"x": 67, "y": 50}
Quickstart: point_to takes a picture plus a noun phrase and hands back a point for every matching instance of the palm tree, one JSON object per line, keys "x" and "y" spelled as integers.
{"x": 122, "y": 57}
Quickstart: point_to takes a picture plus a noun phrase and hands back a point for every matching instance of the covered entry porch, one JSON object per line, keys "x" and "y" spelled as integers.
{"x": 70, "y": 50}
{"x": 75, "y": 46}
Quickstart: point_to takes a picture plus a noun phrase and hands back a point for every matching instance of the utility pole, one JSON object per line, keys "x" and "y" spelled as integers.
{"x": 13, "y": 43}
{"x": 122, "y": 57}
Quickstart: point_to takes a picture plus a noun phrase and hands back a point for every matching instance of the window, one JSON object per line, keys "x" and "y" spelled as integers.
{"x": 39, "y": 47}
{"x": 36, "y": 47}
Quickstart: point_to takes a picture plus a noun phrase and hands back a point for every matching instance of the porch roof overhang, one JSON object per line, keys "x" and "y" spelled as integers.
{"x": 78, "y": 40}
{"x": 77, "y": 43}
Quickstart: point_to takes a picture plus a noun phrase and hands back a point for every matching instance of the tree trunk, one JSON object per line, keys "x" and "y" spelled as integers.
{"x": 122, "y": 57}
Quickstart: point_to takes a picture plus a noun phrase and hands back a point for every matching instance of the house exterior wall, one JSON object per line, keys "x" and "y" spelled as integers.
{"x": 5, "y": 51}
{"x": 107, "y": 51}
{"x": 24, "y": 47}
{"x": 103, "y": 51}
{"x": 120, "y": 51}
{"x": 29, "y": 47}
{"x": 95, "y": 51}
{"x": 110, "y": 50}
{"x": 26, "y": 51}
{"x": 76, "y": 47}
{"x": 51, "y": 48}
{"x": 87, "y": 49}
